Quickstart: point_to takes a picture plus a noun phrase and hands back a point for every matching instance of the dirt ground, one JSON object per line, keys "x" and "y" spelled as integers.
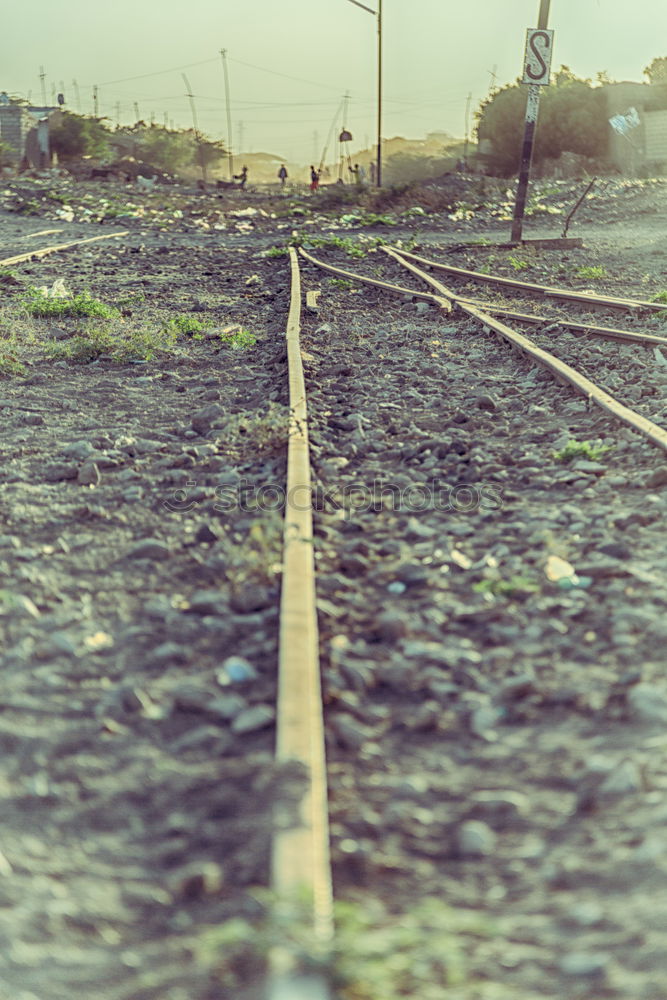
{"x": 496, "y": 735}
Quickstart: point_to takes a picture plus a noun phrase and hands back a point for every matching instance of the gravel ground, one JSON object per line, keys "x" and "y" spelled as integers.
{"x": 492, "y": 618}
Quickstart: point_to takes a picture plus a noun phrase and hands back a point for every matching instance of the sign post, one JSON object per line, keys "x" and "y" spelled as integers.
{"x": 536, "y": 72}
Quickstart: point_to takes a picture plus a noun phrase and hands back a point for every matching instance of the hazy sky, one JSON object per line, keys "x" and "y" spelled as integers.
{"x": 436, "y": 53}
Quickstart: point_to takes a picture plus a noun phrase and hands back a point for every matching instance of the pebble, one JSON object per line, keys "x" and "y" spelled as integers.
{"x": 475, "y": 839}
{"x": 251, "y": 720}
{"x": 626, "y": 779}
{"x": 236, "y": 670}
{"x": 89, "y": 474}
{"x": 517, "y": 688}
{"x": 389, "y": 627}
{"x": 201, "y": 878}
{"x": 150, "y": 548}
{"x": 168, "y": 652}
{"x": 349, "y": 734}
{"x": 502, "y": 806}
{"x": 206, "y": 417}
{"x": 78, "y": 450}
{"x": 485, "y": 402}
{"x": 227, "y": 708}
{"x": 585, "y": 964}
{"x": 250, "y": 599}
{"x": 411, "y": 574}
{"x": 208, "y": 602}
{"x": 18, "y": 605}
{"x": 57, "y": 472}
{"x": 132, "y": 494}
{"x": 648, "y": 703}
{"x": 616, "y": 550}
{"x": 656, "y": 478}
{"x": 206, "y": 534}
{"x": 209, "y": 739}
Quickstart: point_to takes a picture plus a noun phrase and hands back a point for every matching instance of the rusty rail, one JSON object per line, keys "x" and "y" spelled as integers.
{"x": 301, "y": 864}
{"x": 656, "y": 434}
{"x": 45, "y": 251}
{"x": 443, "y": 301}
{"x": 605, "y": 301}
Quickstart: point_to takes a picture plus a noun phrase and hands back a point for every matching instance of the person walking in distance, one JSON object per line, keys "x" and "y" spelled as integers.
{"x": 242, "y": 177}
{"x": 282, "y": 174}
{"x": 314, "y": 179}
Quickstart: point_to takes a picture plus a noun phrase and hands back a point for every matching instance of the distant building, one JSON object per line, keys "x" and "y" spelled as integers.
{"x": 642, "y": 146}
{"x": 25, "y": 130}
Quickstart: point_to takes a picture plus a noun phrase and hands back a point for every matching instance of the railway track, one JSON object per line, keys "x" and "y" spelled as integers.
{"x": 420, "y": 664}
{"x": 302, "y": 728}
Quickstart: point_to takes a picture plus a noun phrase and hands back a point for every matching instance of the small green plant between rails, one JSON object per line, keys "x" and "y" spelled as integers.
{"x": 353, "y": 248}
{"x": 581, "y": 449}
{"x": 592, "y": 273}
{"x": 82, "y": 305}
{"x": 660, "y": 297}
{"x": 376, "y": 955}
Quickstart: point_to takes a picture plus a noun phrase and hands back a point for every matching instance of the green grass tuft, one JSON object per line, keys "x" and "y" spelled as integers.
{"x": 580, "y": 449}
{"x": 82, "y": 305}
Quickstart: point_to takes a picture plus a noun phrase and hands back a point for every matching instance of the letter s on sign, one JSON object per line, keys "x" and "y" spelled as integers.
{"x": 542, "y": 67}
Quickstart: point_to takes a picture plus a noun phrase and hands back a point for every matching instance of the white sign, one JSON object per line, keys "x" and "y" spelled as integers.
{"x": 537, "y": 57}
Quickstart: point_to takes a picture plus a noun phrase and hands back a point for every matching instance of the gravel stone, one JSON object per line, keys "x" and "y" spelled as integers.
{"x": 475, "y": 839}
{"x": 251, "y": 720}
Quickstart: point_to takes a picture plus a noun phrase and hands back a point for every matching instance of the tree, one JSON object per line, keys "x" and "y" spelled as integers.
{"x": 656, "y": 71}
{"x": 74, "y": 136}
{"x": 174, "y": 151}
{"x": 572, "y": 119}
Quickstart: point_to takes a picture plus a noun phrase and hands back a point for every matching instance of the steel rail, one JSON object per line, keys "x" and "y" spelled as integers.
{"x": 528, "y": 318}
{"x": 301, "y": 860}
{"x": 443, "y": 301}
{"x": 608, "y": 332}
{"x": 656, "y": 434}
{"x": 607, "y": 301}
{"x": 45, "y": 251}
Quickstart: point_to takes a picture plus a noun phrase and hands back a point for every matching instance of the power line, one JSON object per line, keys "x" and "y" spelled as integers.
{"x": 286, "y": 76}
{"x": 159, "y": 72}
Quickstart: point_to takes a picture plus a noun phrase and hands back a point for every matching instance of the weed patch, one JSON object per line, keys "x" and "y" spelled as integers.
{"x": 580, "y": 449}
{"x": 238, "y": 338}
{"x": 81, "y": 305}
{"x": 375, "y": 955}
{"x": 123, "y": 346}
{"x": 592, "y": 273}
{"x": 183, "y": 324}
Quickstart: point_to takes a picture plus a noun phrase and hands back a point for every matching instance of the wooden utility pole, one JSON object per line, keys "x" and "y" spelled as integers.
{"x": 230, "y": 155}
{"x": 95, "y": 101}
{"x": 136, "y": 111}
{"x": 77, "y": 95}
{"x": 195, "y": 125}
{"x": 467, "y": 132}
{"x": 42, "y": 77}
{"x": 539, "y": 73}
